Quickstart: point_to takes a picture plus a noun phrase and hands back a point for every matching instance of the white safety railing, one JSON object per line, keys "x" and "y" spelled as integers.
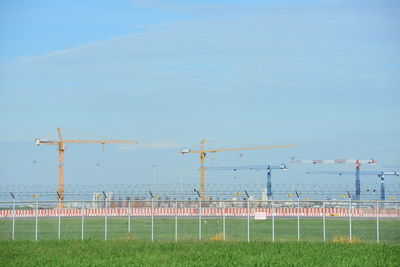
{"x": 268, "y": 220}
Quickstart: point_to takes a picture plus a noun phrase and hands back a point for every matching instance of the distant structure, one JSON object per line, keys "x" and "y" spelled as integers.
{"x": 268, "y": 168}
{"x": 98, "y": 199}
{"x": 380, "y": 174}
{"x": 343, "y": 161}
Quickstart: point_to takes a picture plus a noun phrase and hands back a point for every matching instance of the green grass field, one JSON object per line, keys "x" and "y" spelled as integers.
{"x": 135, "y": 253}
{"x": 236, "y": 229}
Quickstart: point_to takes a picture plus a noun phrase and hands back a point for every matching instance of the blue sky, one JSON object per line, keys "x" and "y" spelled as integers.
{"x": 317, "y": 73}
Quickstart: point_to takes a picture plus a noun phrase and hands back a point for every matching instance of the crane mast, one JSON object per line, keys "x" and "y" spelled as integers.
{"x": 61, "y": 148}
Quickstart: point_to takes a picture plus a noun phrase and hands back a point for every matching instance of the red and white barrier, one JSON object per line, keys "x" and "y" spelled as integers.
{"x": 311, "y": 212}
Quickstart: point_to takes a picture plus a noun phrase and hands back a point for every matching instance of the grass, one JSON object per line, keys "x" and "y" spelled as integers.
{"x": 364, "y": 231}
{"x": 135, "y": 253}
{"x": 135, "y": 248}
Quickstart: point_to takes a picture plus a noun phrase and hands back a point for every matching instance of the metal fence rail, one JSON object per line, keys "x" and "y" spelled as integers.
{"x": 245, "y": 220}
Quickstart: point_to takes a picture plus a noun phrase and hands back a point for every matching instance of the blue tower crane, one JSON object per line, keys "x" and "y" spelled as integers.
{"x": 380, "y": 174}
{"x": 358, "y": 163}
{"x": 268, "y": 168}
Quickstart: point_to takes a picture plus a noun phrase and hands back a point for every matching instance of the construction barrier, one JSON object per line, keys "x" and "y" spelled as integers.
{"x": 309, "y": 212}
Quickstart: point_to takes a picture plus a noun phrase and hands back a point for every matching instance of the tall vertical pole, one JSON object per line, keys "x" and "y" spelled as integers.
{"x": 248, "y": 218}
{"x": 200, "y": 211}
{"x": 298, "y": 218}
{"x": 106, "y": 217}
{"x": 377, "y": 221}
{"x": 199, "y": 207}
{"x": 323, "y": 220}
{"x": 129, "y": 216}
{"x": 13, "y": 219}
{"x": 223, "y": 220}
{"x": 350, "y": 233}
{"x": 59, "y": 219}
{"x": 83, "y": 220}
{"x": 152, "y": 218}
{"x": 358, "y": 183}
{"x": 36, "y": 221}
{"x": 273, "y": 221}
{"x": 176, "y": 221}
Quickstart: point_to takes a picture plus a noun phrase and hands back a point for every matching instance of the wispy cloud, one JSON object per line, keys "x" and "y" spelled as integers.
{"x": 61, "y": 53}
{"x": 159, "y": 144}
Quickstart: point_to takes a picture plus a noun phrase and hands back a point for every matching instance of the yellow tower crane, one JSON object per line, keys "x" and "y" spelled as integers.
{"x": 203, "y": 153}
{"x": 61, "y": 147}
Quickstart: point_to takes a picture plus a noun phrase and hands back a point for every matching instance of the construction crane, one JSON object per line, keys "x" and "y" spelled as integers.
{"x": 336, "y": 161}
{"x": 203, "y": 152}
{"x": 343, "y": 161}
{"x": 61, "y": 147}
{"x": 268, "y": 168}
{"x": 380, "y": 174}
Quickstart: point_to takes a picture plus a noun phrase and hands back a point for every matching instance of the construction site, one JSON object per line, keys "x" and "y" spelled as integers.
{"x": 205, "y": 210}
{"x": 264, "y": 189}
{"x": 199, "y": 133}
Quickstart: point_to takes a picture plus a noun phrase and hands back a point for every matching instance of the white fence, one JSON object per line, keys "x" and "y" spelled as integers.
{"x": 246, "y": 220}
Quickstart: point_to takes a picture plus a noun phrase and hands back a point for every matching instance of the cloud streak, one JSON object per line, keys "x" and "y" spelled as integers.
{"x": 159, "y": 144}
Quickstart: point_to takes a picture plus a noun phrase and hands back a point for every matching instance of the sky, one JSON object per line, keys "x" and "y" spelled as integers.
{"x": 320, "y": 74}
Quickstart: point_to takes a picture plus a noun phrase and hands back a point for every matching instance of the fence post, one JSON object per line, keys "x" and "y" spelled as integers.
{"x": 152, "y": 218}
{"x": 176, "y": 221}
{"x": 298, "y": 218}
{"x": 273, "y": 220}
{"x": 323, "y": 220}
{"x": 350, "y": 233}
{"x": 36, "y": 221}
{"x": 59, "y": 219}
{"x": 377, "y": 222}
{"x": 129, "y": 216}
{"x": 13, "y": 221}
{"x": 200, "y": 218}
{"x": 105, "y": 219}
{"x": 83, "y": 219}
{"x": 223, "y": 220}
{"x": 248, "y": 218}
